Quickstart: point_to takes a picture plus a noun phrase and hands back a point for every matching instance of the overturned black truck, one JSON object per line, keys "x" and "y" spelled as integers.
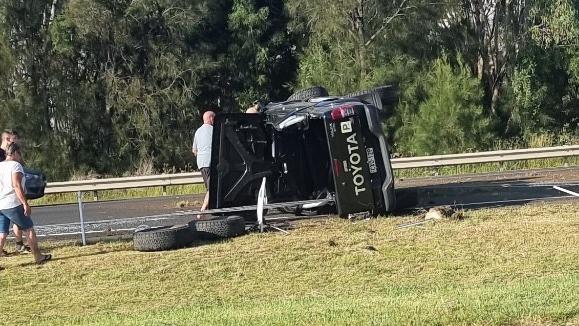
{"x": 312, "y": 146}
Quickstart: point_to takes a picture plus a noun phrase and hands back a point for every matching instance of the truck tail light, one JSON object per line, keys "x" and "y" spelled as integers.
{"x": 342, "y": 112}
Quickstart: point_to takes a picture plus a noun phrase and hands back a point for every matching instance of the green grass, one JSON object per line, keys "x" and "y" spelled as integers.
{"x": 516, "y": 266}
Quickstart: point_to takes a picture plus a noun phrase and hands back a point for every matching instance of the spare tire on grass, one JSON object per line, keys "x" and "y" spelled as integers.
{"x": 308, "y": 94}
{"x": 162, "y": 238}
{"x": 218, "y": 227}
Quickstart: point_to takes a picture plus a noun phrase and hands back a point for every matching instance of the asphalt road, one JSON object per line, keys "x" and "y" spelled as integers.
{"x": 111, "y": 210}
{"x": 487, "y": 189}
{"x": 468, "y": 191}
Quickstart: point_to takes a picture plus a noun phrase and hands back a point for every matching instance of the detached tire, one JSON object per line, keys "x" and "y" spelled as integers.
{"x": 308, "y": 94}
{"x": 162, "y": 238}
{"x": 218, "y": 227}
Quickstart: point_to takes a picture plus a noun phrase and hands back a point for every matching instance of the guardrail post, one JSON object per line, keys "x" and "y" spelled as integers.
{"x": 164, "y": 190}
{"x": 95, "y": 195}
{"x": 81, "y": 216}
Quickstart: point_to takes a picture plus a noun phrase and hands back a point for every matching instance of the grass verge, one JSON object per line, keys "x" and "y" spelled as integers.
{"x": 516, "y": 266}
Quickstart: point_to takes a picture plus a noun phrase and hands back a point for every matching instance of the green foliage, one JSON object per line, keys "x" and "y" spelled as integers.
{"x": 260, "y": 43}
{"x": 349, "y": 44}
{"x": 5, "y": 57}
{"x": 451, "y": 118}
{"x": 556, "y": 22}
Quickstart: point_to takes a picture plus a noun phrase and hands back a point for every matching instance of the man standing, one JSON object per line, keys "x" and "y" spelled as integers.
{"x": 202, "y": 149}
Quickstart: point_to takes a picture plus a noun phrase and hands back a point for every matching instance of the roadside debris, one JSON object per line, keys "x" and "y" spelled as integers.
{"x": 435, "y": 214}
{"x": 443, "y": 212}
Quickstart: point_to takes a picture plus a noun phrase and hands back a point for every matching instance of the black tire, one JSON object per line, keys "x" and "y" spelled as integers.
{"x": 162, "y": 238}
{"x": 388, "y": 94}
{"x": 218, "y": 227}
{"x": 308, "y": 94}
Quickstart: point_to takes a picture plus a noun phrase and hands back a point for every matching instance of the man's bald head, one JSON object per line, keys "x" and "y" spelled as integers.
{"x": 208, "y": 117}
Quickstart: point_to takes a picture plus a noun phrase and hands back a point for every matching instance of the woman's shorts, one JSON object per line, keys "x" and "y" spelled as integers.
{"x": 16, "y": 215}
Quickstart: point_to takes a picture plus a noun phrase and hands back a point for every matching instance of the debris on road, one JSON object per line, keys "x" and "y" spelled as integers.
{"x": 444, "y": 212}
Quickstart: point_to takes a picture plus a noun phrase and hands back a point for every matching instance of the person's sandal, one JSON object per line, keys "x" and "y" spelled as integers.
{"x": 23, "y": 249}
{"x": 44, "y": 259}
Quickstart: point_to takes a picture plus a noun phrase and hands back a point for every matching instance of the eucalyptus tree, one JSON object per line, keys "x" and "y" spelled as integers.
{"x": 489, "y": 34}
{"x": 513, "y": 47}
{"x": 350, "y": 41}
{"x": 545, "y": 83}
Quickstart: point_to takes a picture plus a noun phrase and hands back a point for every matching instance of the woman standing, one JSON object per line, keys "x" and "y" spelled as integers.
{"x": 13, "y": 205}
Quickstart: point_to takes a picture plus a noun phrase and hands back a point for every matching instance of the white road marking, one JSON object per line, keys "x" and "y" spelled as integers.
{"x": 566, "y": 191}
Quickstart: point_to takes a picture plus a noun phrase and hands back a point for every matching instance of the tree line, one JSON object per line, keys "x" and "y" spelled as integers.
{"x": 116, "y": 86}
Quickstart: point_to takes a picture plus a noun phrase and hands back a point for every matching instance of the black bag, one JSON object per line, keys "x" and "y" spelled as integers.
{"x": 34, "y": 183}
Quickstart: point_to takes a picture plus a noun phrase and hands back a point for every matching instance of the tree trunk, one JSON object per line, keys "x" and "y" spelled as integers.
{"x": 360, "y": 32}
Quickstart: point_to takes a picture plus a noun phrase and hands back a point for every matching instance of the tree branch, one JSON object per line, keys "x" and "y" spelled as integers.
{"x": 386, "y": 22}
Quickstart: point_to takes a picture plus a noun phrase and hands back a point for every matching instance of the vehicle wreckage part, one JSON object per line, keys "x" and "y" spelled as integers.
{"x": 253, "y": 170}
{"x": 347, "y": 144}
{"x": 162, "y": 238}
{"x": 226, "y": 210}
{"x": 318, "y": 204}
{"x": 309, "y": 208}
{"x": 342, "y": 112}
{"x": 218, "y": 227}
{"x": 290, "y": 121}
{"x": 261, "y": 200}
{"x": 379, "y": 96}
{"x": 388, "y": 184}
{"x": 308, "y": 93}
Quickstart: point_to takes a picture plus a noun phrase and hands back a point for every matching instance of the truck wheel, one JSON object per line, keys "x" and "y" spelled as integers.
{"x": 308, "y": 93}
{"x": 388, "y": 94}
{"x": 218, "y": 227}
{"x": 162, "y": 238}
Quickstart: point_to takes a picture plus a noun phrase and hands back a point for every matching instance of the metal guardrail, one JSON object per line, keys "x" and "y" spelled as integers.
{"x": 165, "y": 180}
{"x": 485, "y": 157}
{"x": 162, "y": 180}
